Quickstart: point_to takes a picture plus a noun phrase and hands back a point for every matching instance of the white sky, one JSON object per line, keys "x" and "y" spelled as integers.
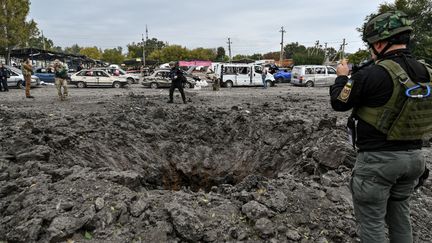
{"x": 252, "y": 25}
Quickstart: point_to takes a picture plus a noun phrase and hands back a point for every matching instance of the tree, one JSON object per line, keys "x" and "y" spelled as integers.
{"x": 359, "y": 56}
{"x": 272, "y": 55}
{"x": 202, "y": 54}
{"x": 293, "y": 48}
{"x": 170, "y": 53}
{"x": 305, "y": 59}
{"x": 91, "y": 52}
{"x": 220, "y": 54}
{"x": 37, "y": 40}
{"x": 420, "y": 11}
{"x": 74, "y": 49}
{"x": 135, "y": 50}
{"x": 15, "y": 30}
{"x": 113, "y": 55}
{"x": 256, "y": 56}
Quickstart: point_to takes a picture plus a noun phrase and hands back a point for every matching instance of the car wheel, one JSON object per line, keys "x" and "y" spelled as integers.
{"x": 229, "y": 84}
{"x": 81, "y": 85}
{"x": 269, "y": 83}
{"x": 187, "y": 85}
{"x": 130, "y": 80}
{"x": 20, "y": 84}
{"x": 309, "y": 84}
{"x": 279, "y": 80}
{"x": 117, "y": 85}
{"x": 154, "y": 85}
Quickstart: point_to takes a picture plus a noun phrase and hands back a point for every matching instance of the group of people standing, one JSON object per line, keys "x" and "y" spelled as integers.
{"x": 60, "y": 72}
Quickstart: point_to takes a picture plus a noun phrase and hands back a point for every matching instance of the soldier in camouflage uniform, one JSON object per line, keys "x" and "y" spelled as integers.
{"x": 27, "y": 72}
{"x": 60, "y": 72}
{"x": 392, "y": 113}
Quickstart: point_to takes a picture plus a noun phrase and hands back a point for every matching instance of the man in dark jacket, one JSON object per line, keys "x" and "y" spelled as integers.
{"x": 177, "y": 79}
{"x": 389, "y": 161}
{"x": 4, "y": 75}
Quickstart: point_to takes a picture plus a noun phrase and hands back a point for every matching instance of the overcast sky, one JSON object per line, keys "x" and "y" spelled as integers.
{"x": 252, "y": 25}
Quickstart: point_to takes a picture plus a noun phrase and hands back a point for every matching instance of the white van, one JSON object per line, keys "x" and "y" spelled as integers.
{"x": 313, "y": 75}
{"x": 232, "y": 74}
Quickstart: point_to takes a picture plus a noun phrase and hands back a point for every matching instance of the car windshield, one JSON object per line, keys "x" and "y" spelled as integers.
{"x": 122, "y": 72}
{"x": 15, "y": 70}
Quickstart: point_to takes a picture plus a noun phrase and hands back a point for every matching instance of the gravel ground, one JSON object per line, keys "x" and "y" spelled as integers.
{"x": 122, "y": 165}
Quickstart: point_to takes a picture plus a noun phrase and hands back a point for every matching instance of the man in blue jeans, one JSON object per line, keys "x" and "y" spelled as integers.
{"x": 391, "y": 113}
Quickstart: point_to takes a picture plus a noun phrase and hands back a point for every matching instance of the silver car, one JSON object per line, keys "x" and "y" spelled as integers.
{"x": 16, "y": 78}
{"x": 313, "y": 75}
{"x": 160, "y": 79}
{"x": 90, "y": 77}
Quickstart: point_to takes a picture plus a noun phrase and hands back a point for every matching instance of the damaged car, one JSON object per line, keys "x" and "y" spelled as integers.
{"x": 160, "y": 79}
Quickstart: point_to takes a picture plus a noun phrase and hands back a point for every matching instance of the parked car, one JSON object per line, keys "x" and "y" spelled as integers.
{"x": 130, "y": 77}
{"x": 91, "y": 77}
{"x": 16, "y": 78}
{"x": 313, "y": 75}
{"x": 283, "y": 75}
{"x": 160, "y": 79}
{"x": 232, "y": 74}
{"x": 45, "y": 74}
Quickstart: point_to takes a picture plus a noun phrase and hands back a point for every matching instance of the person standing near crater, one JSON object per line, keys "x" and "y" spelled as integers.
{"x": 391, "y": 113}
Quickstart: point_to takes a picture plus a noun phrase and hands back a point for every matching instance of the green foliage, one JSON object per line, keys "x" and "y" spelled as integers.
{"x": 305, "y": 59}
{"x": 135, "y": 50}
{"x": 202, "y": 54}
{"x": 169, "y": 53}
{"x": 74, "y": 49}
{"x": 359, "y": 56}
{"x": 113, "y": 55}
{"x": 91, "y": 52}
{"x": 293, "y": 48}
{"x": 15, "y": 29}
{"x": 220, "y": 54}
{"x": 272, "y": 55}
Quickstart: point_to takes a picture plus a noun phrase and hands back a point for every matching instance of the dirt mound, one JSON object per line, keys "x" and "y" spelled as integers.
{"x": 136, "y": 170}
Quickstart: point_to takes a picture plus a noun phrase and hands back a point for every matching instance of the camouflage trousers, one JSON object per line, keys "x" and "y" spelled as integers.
{"x": 61, "y": 85}
{"x": 381, "y": 186}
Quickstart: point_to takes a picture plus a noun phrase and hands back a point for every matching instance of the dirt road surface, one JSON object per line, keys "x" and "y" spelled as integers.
{"x": 122, "y": 165}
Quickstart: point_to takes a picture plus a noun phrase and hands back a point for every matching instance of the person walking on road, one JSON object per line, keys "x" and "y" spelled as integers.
{"x": 177, "y": 80}
{"x": 60, "y": 72}
{"x": 264, "y": 76}
{"x": 27, "y": 72}
{"x": 391, "y": 113}
{"x": 4, "y": 75}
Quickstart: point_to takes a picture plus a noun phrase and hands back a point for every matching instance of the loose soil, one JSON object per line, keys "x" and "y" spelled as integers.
{"x": 122, "y": 165}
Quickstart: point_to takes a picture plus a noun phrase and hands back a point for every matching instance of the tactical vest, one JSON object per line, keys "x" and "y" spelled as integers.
{"x": 407, "y": 115}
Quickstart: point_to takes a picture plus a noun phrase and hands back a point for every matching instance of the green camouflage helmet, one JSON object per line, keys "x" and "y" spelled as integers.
{"x": 386, "y": 25}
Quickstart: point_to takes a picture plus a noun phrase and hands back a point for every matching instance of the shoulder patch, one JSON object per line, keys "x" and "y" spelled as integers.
{"x": 346, "y": 91}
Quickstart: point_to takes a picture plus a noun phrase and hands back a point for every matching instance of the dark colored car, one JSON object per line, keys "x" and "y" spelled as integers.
{"x": 282, "y": 76}
{"x": 45, "y": 75}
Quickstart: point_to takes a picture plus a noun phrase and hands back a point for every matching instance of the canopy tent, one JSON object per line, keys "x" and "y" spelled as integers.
{"x": 45, "y": 55}
{"x": 194, "y": 63}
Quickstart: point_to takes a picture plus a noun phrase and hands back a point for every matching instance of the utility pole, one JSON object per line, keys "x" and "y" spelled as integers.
{"x": 143, "y": 53}
{"x": 229, "y": 48}
{"x": 343, "y": 48}
{"x": 146, "y": 34}
{"x": 43, "y": 40}
{"x": 282, "y": 43}
{"x": 325, "y": 53}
